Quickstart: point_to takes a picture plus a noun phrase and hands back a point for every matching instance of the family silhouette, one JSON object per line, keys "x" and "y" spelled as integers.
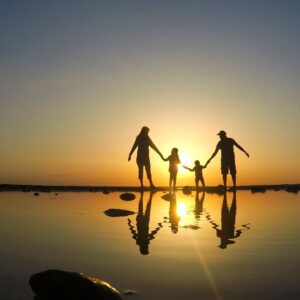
{"x": 225, "y": 145}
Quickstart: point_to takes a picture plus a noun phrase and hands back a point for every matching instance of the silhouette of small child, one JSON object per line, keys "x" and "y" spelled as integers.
{"x": 174, "y": 161}
{"x": 198, "y": 173}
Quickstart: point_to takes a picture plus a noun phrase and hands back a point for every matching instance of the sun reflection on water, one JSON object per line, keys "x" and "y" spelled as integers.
{"x": 181, "y": 210}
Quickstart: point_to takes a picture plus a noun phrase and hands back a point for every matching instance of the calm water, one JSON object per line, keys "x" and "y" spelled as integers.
{"x": 192, "y": 247}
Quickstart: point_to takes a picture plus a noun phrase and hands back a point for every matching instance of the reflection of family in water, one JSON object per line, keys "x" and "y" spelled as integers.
{"x": 226, "y": 231}
{"x": 225, "y": 145}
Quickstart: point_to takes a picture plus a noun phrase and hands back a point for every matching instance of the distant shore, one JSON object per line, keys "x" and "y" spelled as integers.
{"x": 293, "y": 188}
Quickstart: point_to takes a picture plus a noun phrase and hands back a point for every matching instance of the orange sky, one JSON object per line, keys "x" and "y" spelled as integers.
{"x": 76, "y": 92}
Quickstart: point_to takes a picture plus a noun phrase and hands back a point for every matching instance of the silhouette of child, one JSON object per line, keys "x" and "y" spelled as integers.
{"x": 198, "y": 173}
{"x": 174, "y": 161}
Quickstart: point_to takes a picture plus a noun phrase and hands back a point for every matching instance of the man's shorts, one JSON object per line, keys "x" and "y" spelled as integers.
{"x": 228, "y": 165}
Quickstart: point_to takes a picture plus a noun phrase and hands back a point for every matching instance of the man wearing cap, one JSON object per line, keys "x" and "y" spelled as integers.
{"x": 226, "y": 145}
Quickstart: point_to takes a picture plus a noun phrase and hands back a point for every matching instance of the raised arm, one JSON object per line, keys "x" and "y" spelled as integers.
{"x": 155, "y": 149}
{"x": 241, "y": 148}
{"x": 213, "y": 155}
{"x": 132, "y": 149}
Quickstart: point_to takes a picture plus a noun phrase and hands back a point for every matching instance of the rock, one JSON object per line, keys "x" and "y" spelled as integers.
{"x": 127, "y": 196}
{"x": 115, "y": 212}
{"x": 61, "y": 285}
{"x": 167, "y": 197}
{"x": 187, "y": 190}
{"x": 258, "y": 189}
{"x": 293, "y": 189}
{"x": 129, "y": 292}
{"x": 193, "y": 227}
{"x": 219, "y": 189}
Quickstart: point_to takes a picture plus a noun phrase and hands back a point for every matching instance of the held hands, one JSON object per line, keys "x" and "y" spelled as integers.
{"x": 162, "y": 157}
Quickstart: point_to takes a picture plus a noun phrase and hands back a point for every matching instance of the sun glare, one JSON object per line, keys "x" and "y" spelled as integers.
{"x": 181, "y": 209}
{"x": 185, "y": 161}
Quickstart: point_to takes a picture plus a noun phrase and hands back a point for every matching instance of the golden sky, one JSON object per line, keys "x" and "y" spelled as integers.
{"x": 79, "y": 82}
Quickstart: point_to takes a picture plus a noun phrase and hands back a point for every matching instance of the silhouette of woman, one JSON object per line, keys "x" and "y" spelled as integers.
{"x": 143, "y": 142}
{"x": 141, "y": 235}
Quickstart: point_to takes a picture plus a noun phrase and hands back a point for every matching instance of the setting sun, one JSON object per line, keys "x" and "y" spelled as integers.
{"x": 185, "y": 161}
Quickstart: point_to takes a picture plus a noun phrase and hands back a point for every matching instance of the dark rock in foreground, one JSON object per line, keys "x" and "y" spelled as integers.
{"x": 61, "y": 285}
{"x": 115, "y": 212}
{"x": 127, "y": 196}
{"x": 168, "y": 197}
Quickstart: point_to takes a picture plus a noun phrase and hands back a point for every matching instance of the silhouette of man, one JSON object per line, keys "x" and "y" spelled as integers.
{"x": 141, "y": 235}
{"x": 143, "y": 142}
{"x": 226, "y": 146}
{"x": 227, "y": 231}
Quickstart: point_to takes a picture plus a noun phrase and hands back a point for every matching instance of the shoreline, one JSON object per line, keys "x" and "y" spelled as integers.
{"x": 293, "y": 188}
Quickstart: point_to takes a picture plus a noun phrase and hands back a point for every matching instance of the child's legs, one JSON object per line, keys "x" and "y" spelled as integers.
{"x": 202, "y": 181}
{"x": 175, "y": 179}
{"x": 172, "y": 179}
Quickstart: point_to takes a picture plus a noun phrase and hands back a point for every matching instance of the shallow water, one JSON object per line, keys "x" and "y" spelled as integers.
{"x": 192, "y": 247}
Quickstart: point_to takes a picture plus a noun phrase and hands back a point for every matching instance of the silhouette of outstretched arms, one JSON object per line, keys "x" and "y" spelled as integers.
{"x": 155, "y": 231}
{"x": 213, "y": 155}
{"x": 133, "y": 231}
{"x": 151, "y": 144}
{"x": 190, "y": 169}
{"x": 241, "y": 148}
{"x": 133, "y": 149}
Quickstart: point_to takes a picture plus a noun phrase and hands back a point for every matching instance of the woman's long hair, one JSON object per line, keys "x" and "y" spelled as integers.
{"x": 144, "y": 132}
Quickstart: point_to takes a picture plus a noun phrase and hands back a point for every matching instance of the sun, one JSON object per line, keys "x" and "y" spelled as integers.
{"x": 185, "y": 161}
